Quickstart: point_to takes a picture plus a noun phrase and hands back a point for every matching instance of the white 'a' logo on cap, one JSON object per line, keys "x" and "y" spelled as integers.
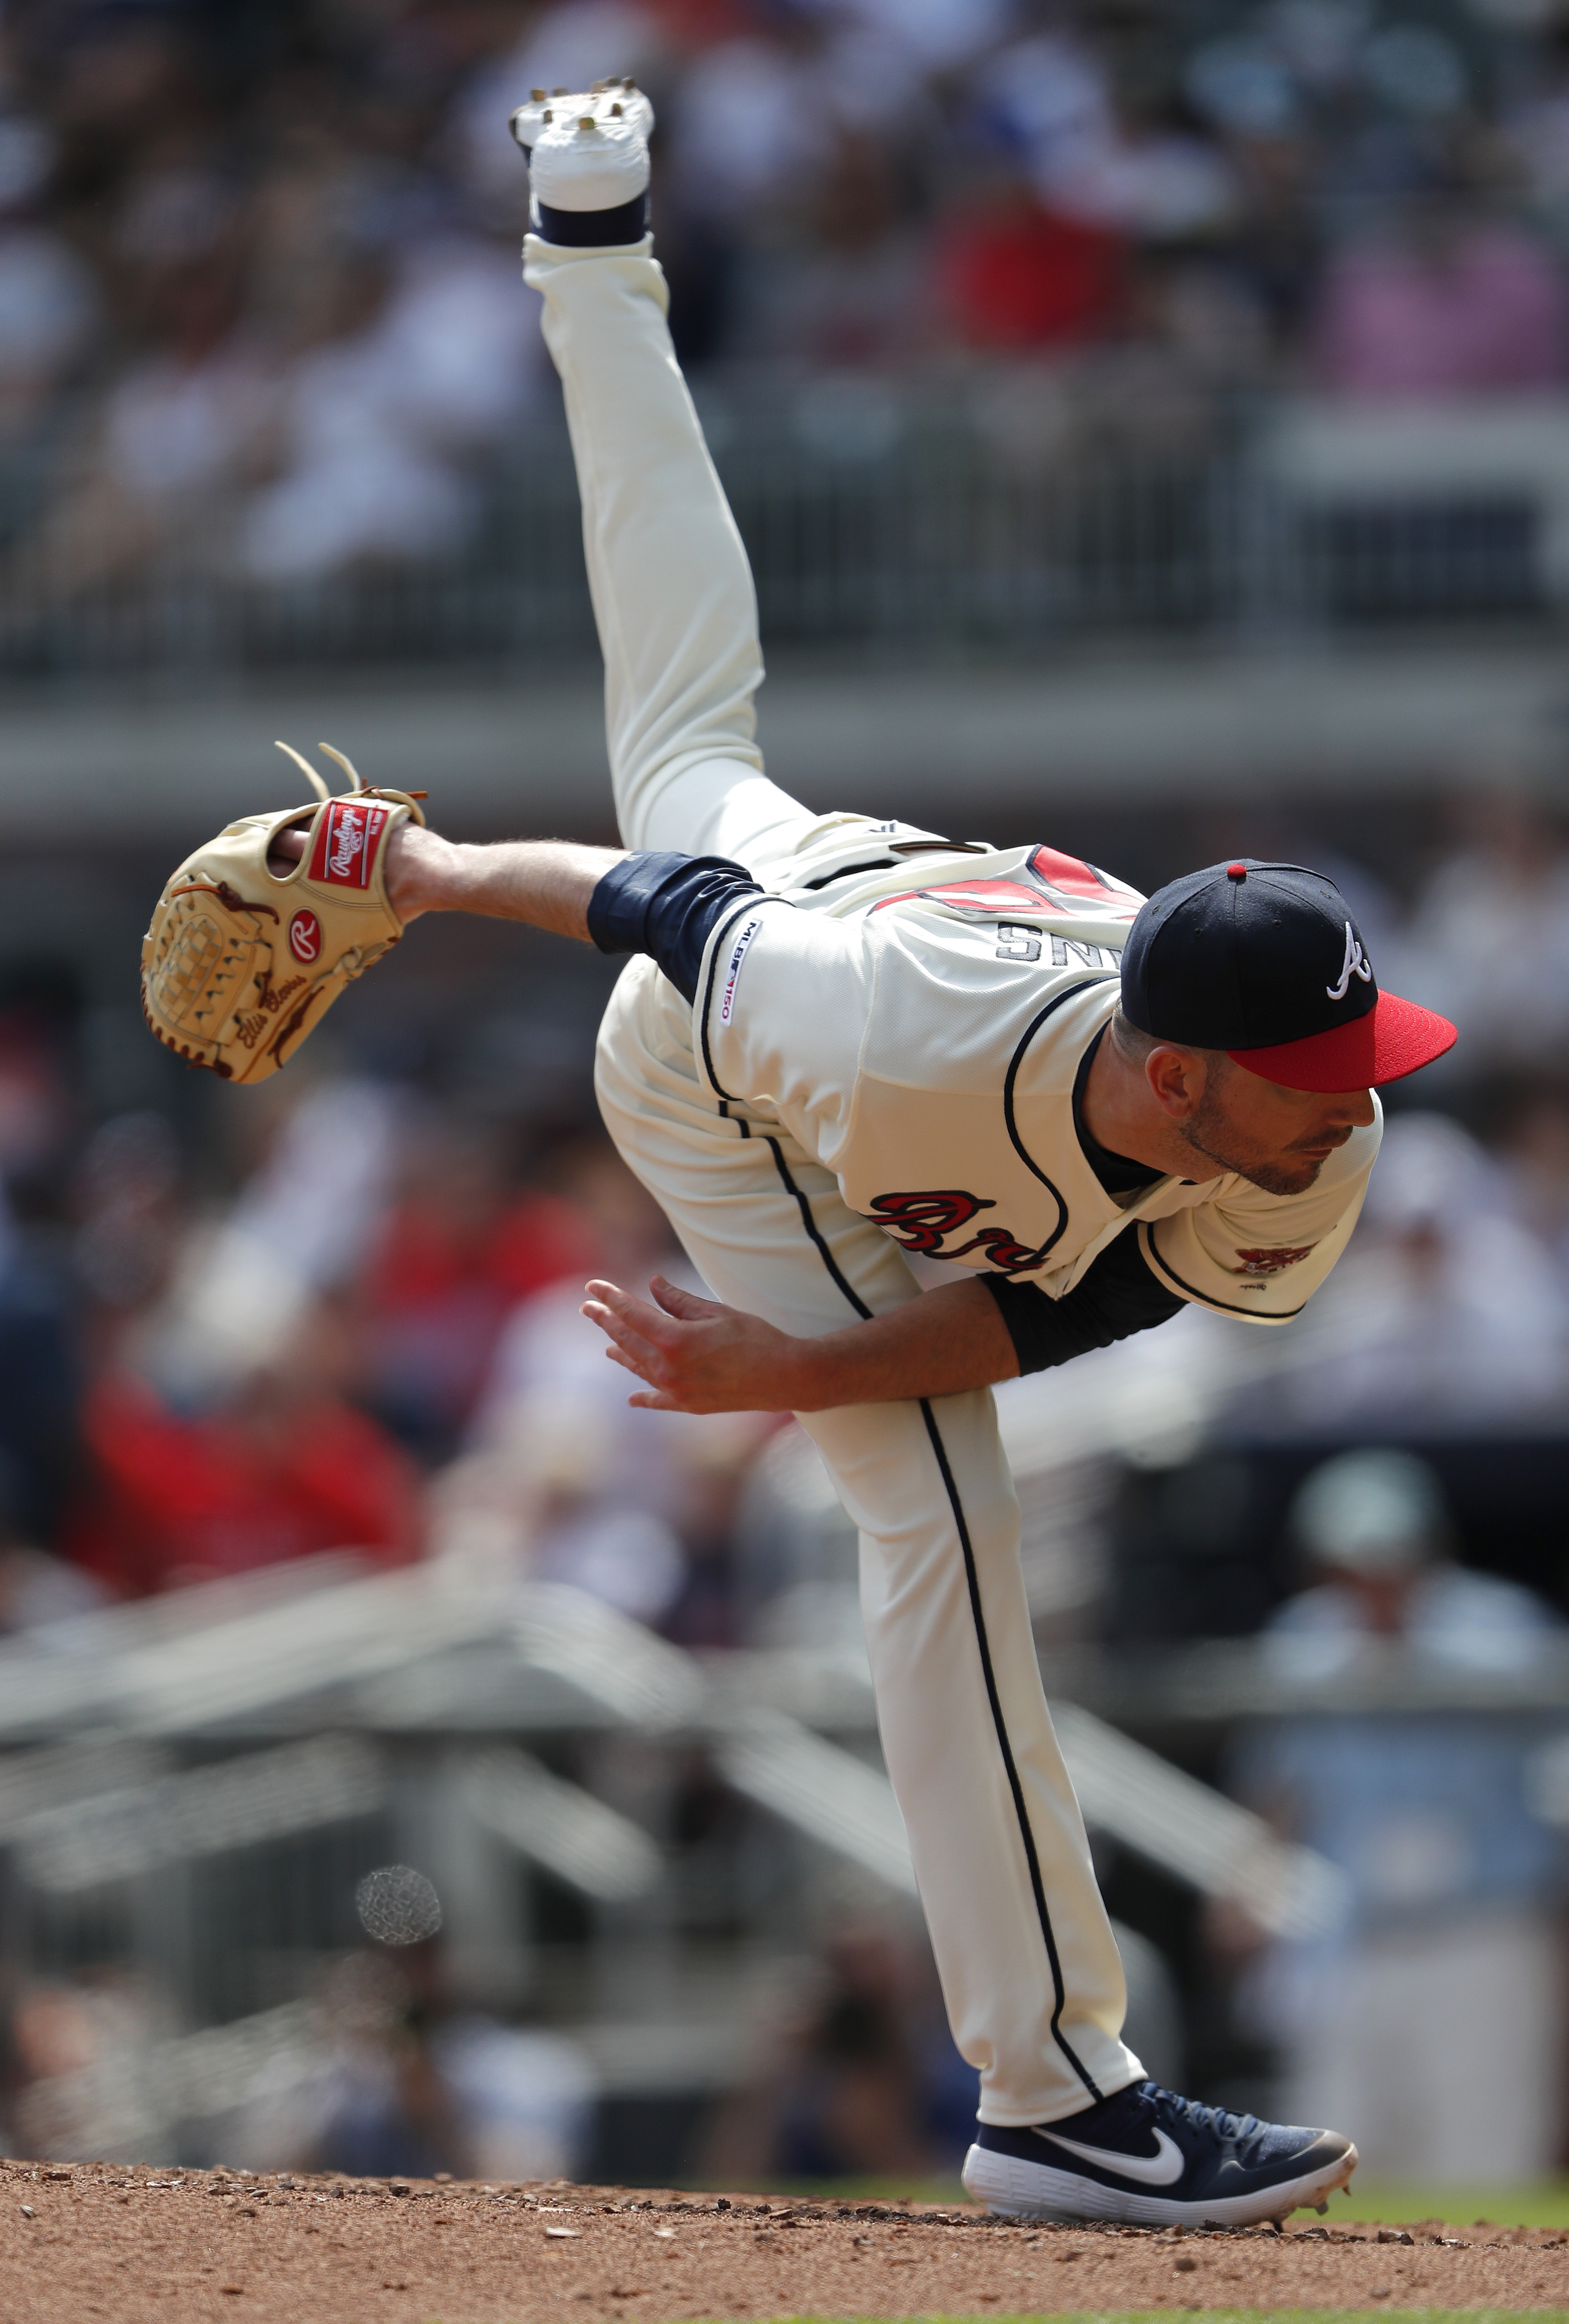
{"x": 1355, "y": 963}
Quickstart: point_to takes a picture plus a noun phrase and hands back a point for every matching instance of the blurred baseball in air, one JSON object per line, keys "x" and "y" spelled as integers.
{"x": 397, "y": 1905}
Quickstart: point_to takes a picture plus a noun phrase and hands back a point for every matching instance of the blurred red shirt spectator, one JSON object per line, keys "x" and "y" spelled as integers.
{"x": 449, "y": 1268}
{"x": 1015, "y": 275}
{"x": 175, "y": 1500}
{"x": 537, "y": 1240}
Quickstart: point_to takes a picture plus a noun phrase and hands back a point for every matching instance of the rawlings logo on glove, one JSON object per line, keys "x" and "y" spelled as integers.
{"x": 241, "y": 962}
{"x": 348, "y": 838}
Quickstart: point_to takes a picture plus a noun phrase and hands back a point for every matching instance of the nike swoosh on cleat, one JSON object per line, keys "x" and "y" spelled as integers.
{"x": 1163, "y": 2168}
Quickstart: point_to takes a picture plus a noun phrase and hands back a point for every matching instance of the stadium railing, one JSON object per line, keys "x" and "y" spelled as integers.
{"x": 883, "y": 519}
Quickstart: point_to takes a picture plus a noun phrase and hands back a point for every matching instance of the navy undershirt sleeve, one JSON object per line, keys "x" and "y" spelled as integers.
{"x": 667, "y": 905}
{"x": 1119, "y": 1295}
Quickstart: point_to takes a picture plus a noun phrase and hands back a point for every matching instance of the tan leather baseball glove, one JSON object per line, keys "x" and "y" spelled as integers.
{"x": 240, "y": 962}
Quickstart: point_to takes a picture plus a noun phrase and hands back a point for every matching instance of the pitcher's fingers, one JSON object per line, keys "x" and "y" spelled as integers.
{"x": 625, "y": 1303}
{"x": 287, "y": 849}
{"x": 635, "y": 1314}
{"x": 605, "y": 1317}
{"x": 617, "y": 1328}
{"x": 685, "y": 1304}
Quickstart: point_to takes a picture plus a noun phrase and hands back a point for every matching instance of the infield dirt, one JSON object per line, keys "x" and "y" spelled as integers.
{"x": 92, "y": 2240}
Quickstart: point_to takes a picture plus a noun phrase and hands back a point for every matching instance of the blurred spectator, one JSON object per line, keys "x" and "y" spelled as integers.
{"x": 1489, "y": 935}
{"x": 859, "y": 292}
{"x": 36, "y": 1589}
{"x": 460, "y": 1249}
{"x": 852, "y": 2092}
{"x": 939, "y": 36}
{"x": 415, "y": 2090}
{"x": 1375, "y": 1528}
{"x": 40, "y": 1385}
{"x": 373, "y": 2074}
{"x": 131, "y": 1219}
{"x": 1454, "y": 306}
{"x": 610, "y": 1548}
{"x": 41, "y": 1360}
{"x": 789, "y": 188}
{"x": 1274, "y": 247}
{"x": 380, "y": 424}
{"x": 40, "y": 1444}
{"x": 1442, "y": 1313}
{"x": 1095, "y": 154}
{"x": 48, "y": 310}
{"x": 853, "y": 2107}
{"x": 116, "y": 82}
{"x": 1532, "y": 1156}
{"x": 1018, "y": 276}
{"x": 1429, "y": 2018}
{"x": 865, "y": 2081}
{"x": 284, "y": 1467}
{"x": 752, "y": 123}
{"x": 68, "y": 2035}
{"x": 388, "y": 2109}
{"x": 183, "y": 423}
{"x": 566, "y": 1481}
{"x": 1536, "y": 135}
{"x": 376, "y": 1278}
{"x": 226, "y": 1352}
{"x": 712, "y": 1606}
{"x": 245, "y": 1277}
{"x": 550, "y": 1360}
{"x": 523, "y": 2096}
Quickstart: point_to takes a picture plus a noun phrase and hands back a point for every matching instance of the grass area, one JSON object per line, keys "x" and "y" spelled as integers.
{"x": 1224, "y": 2316}
{"x": 1542, "y": 2203}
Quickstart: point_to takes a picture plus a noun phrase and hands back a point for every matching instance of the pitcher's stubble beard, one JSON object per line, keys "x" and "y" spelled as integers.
{"x": 1276, "y": 1170}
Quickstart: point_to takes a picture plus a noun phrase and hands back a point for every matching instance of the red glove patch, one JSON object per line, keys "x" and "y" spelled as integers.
{"x": 346, "y": 839}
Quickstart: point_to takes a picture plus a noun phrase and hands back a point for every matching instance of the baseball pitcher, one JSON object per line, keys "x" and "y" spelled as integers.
{"x": 840, "y": 1042}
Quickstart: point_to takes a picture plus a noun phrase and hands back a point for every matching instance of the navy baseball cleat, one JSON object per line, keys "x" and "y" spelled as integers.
{"x": 1147, "y": 2155}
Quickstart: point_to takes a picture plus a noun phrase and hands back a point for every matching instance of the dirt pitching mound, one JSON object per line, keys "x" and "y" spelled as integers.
{"x": 130, "y": 2245}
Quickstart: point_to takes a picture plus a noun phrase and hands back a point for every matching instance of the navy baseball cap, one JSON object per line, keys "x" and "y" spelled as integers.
{"x": 1265, "y": 961}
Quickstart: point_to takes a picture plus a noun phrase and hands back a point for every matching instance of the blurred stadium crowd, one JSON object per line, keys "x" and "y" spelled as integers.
{"x": 257, "y": 270}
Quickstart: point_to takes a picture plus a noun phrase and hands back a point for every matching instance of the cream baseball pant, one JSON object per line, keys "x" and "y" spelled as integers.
{"x": 1030, "y": 1968}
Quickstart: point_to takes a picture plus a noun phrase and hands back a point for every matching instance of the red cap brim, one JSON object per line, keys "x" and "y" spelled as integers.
{"x": 1394, "y": 1038}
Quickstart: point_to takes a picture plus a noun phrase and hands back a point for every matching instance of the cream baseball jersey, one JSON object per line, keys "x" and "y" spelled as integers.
{"x": 923, "y": 1042}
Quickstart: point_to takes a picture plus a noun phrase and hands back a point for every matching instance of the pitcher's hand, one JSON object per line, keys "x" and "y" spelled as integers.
{"x": 696, "y": 1355}
{"x": 416, "y": 859}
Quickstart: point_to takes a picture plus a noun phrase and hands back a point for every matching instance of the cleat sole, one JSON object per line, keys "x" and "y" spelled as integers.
{"x": 1013, "y": 2189}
